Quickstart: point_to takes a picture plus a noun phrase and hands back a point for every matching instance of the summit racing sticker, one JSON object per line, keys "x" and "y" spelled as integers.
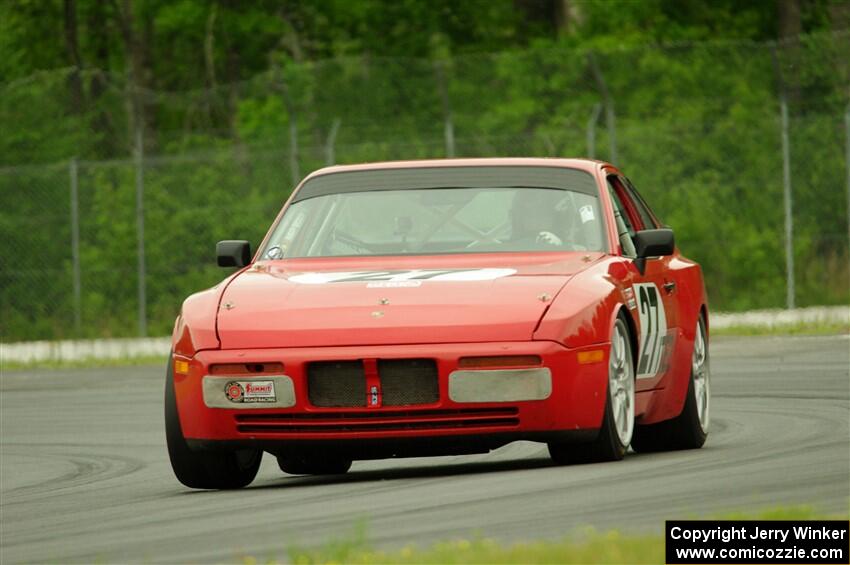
{"x": 403, "y": 278}
{"x": 250, "y": 391}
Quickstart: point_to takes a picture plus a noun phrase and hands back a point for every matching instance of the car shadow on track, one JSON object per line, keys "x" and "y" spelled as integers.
{"x": 426, "y": 471}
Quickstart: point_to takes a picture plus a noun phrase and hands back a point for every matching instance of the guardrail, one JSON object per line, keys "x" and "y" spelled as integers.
{"x": 83, "y": 349}
{"x": 128, "y": 348}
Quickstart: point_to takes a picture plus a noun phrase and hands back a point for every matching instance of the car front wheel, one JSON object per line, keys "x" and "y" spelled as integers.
{"x": 204, "y": 469}
{"x": 619, "y": 416}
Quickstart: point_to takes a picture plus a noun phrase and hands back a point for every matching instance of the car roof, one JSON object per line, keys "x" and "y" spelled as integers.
{"x": 588, "y": 165}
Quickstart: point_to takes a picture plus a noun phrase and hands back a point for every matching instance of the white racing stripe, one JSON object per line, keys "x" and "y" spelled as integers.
{"x": 404, "y": 276}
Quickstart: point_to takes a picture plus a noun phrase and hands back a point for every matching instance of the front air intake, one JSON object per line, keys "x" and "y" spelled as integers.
{"x": 407, "y": 382}
{"x": 403, "y": 382}
{"x": 336, "y": 384}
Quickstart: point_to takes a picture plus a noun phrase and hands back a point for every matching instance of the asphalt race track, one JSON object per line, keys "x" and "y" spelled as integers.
{"x": 84, "y": 475}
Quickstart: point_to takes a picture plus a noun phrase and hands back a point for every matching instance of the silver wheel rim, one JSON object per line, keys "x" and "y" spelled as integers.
{"x": 700, "y": 371}
{"x": 621, "y": 385}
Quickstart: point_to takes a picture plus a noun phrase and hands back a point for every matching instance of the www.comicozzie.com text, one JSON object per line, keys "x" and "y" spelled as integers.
{"x": 727, "y": 534}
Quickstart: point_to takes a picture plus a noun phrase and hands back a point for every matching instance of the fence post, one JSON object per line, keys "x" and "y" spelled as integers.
{"x": 847, "y": 164}
{"x": 330, "y": 153}
{"x": 610, "y": 116}
{"x": 789, "y": 220}
{"x": 75, "y": 246}
{"x": 611, "y": 125}
{"x": 283, "y": 88}
{"x": 591, "y": 130}
{"x": 448, "y": 122}
{"x": 293, "y": 131}
{"x": 140, "y": 229}
{"x": 293, "y": 150}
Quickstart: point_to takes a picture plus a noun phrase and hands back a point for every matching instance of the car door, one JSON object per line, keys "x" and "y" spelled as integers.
{"x": 656, "y": 309}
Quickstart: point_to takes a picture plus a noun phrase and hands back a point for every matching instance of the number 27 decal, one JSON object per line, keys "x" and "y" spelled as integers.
{"x": 653, "y": 329}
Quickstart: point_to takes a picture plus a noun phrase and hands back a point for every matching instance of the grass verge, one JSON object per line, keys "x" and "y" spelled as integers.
{"x": 583, "y": 546}
{"x": 802, "y": 328}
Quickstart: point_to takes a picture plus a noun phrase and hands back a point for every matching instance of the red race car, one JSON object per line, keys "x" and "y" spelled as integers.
{"x": 442, "y": 307}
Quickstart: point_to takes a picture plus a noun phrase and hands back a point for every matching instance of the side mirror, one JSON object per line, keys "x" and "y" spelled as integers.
{"x": 233, "y": 253}
{"x": 654, "y": 243}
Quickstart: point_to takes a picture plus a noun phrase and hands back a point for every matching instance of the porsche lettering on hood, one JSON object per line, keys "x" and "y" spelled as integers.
{"x": 307, "y": 309}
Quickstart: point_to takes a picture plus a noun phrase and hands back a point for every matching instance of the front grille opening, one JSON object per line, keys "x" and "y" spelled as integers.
{"x": 335, "y": 384}
{"x": 407, "y": 382}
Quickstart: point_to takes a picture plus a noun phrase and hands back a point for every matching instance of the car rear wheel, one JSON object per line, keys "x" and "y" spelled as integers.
{"x": 313, "y": 464}
{"x": 619, "y": 416}
{"x": 204, "y": 469}
{"x": 690, "y": 428}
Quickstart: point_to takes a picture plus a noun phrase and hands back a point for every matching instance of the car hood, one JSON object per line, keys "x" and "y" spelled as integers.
{"x": 313, "y": 303}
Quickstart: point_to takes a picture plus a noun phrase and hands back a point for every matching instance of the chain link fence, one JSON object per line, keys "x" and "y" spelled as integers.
{"x": 109, "y": 247}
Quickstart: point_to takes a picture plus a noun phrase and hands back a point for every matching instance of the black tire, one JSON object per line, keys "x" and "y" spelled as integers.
{"x": 682, "y": 432}
{"x": 313, "y": 465}
{"x": 204, "y": 469}
{"x": 607, "y": 445}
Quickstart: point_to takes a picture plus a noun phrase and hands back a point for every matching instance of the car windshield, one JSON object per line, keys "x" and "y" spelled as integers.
{"x": 429, "y": 221}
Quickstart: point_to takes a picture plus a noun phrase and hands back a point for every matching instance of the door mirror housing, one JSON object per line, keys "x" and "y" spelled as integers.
{"x": 233, "y": 253}
{"x": 654, "y": 243}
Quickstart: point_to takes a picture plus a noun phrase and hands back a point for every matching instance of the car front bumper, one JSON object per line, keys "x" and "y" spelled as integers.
{"x": 565, "y": 396}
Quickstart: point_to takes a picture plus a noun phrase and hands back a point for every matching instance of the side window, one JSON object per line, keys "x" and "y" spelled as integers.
{"x": 646, "y": 216}
{"x": 625, "y": 229}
